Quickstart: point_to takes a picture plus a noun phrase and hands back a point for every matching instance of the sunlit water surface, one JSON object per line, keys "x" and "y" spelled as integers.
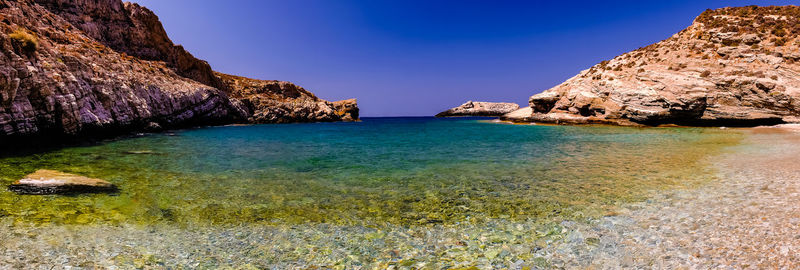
{"x": 363, "y": 194}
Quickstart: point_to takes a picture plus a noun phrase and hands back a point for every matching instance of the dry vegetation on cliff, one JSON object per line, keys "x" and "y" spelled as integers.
{"x": 27, "y": 42}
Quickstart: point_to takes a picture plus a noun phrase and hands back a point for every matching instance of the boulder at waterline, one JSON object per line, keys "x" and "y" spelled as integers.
{"x": 44, "y": 182}
{"x": 519, "y": 115}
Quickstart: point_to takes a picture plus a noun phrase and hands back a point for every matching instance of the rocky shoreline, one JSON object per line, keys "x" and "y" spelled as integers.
{"x": 99, "y": 69}
{"x": 731, "y": 67}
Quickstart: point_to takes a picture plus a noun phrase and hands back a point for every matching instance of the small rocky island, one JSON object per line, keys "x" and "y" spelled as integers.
{"x": 731, "y": 67}
{"x": 477, "y": 108}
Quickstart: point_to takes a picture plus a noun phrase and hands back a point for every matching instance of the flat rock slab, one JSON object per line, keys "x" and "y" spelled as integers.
{"x": 523, "y": 114}
{"x": 44, "y": 182}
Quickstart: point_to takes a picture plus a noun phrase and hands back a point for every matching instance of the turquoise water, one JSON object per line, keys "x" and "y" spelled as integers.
{"x": 398, "y": 170}
{"x": 379, "y": 174}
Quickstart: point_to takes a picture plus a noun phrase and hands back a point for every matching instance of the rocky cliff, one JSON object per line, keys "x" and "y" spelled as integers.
{"x": 477, "y": 108}
{"x": 284, "y": 102}
{"x": 101, "y": 67}
{"x": 732, "y": 66}
{"x": 131, "y": 29}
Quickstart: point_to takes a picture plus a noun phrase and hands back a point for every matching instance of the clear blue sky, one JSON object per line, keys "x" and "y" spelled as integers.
{"x": 410, "y": 57}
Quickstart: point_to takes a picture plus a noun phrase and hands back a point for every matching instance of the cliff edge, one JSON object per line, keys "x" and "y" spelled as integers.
{"x": 732, "y": 67}
{"x": 97, "y": 68}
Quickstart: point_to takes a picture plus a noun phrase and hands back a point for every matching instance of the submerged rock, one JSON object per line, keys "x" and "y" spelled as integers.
{"x": 43, "y": 182}
{"x": 477, "y": 108}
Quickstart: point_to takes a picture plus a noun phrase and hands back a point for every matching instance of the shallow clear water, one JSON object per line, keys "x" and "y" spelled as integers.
{"x": 383, "y": 174}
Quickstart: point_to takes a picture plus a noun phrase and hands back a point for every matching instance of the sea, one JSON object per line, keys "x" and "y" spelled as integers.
{"x": 381, "y": 193}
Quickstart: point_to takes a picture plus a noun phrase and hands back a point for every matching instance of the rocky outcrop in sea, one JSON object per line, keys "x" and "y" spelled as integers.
{"x": 477, "y": 108}
{"x": 731, "y": 67}
{"x": 77, "y": 69}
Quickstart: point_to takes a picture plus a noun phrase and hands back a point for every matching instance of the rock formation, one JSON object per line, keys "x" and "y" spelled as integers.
{"x": 284, "y": 102}
{"x": 477, "y": 108}
{"x": 77, "y": 68}
{"x": 732, "y": 66}
{"x": 44, "y": 182}
{"x": 522, "y": 115}
{"x": 131, "y": 29}
{"x": 347, "y": 109}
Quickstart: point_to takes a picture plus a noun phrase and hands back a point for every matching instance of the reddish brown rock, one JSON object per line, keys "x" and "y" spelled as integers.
{"x": 285, "y": 102}
{"x": 131, "y": 29}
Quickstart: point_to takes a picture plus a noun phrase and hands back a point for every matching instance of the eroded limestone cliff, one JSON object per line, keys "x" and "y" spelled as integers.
{"x": 72, "y": 68}
{"x": 732, "y": 66}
